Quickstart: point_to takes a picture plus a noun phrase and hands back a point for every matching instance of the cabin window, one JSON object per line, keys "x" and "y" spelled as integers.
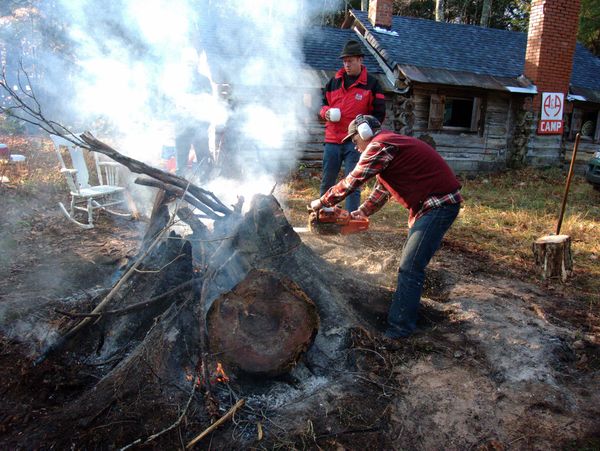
{"x": 455, "y": 113}
{"x": 586, "y": 121}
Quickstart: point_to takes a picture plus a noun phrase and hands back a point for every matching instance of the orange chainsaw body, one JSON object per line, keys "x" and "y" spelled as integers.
{"x": 332, "y": 221}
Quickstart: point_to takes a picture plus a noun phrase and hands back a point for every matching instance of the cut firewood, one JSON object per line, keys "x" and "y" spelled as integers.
{"x": 552, "y": 254}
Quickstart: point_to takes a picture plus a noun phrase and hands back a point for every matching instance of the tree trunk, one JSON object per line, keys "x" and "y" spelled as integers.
{"x": 439, "y": 10}
{"x": 552, "y": 254}
{"x": 485, "y": 13}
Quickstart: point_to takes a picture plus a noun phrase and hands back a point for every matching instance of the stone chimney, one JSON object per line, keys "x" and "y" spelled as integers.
{"x": 380, "y": 13}
{"x": 551, "y": 44}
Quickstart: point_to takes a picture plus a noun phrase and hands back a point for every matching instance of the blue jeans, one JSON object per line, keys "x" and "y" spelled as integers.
{"x": 333, "y": 157}
{"x": 423, "y": 240}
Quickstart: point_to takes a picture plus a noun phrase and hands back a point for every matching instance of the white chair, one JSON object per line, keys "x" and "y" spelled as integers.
{"x": 85, "y": 197}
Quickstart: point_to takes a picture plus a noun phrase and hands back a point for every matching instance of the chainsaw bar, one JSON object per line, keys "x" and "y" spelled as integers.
{"x": 322, "y": 228}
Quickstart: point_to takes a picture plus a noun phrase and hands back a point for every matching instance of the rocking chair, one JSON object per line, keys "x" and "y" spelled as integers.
{"x": 85, "y": 197}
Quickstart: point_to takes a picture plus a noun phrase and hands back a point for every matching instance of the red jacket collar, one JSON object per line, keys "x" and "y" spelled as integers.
{"x": 362, "y": 78}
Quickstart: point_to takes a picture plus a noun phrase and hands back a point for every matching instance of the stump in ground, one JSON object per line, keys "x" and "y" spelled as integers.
{"x": 263, "y": 325}
{"x": 552, "y": 254}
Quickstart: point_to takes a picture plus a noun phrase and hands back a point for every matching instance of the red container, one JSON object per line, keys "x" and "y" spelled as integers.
{"x": 171, "y": 165}
{"x": 4, "y": 152}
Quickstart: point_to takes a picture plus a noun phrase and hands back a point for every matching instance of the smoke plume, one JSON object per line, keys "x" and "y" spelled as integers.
{"x": 130, "y": 78}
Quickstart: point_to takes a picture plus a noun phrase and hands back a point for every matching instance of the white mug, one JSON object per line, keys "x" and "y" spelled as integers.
{"x": 334, "y": 114}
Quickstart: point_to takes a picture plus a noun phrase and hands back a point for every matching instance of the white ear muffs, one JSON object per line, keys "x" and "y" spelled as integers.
{"x": 364, "y": 131}
{"x": 363, "y": 127}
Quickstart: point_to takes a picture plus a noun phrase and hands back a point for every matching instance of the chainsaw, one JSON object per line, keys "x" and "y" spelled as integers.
{"x": 334, "y": 221}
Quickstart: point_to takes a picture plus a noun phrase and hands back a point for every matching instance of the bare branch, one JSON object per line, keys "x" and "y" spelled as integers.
{"x": 24, "y": 89}
{"x": 33, "y": 116}
{"x": 216, "y": 424}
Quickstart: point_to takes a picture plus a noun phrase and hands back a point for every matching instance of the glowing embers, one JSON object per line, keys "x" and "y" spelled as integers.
{"x": 218, "y": 375}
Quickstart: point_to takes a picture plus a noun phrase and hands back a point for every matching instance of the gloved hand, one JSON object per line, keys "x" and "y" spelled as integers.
{"x": 358, "y": 214}
{"x": 316, "y": 205}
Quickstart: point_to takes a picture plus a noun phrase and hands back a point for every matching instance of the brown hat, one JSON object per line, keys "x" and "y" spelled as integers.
{"x": 352, "y": 48}
{"x": 368, "y": 122}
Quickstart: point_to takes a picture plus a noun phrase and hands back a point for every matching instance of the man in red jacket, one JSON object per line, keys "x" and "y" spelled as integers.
{"x": 350, "y": 92}
{"x": 414, "y": 174}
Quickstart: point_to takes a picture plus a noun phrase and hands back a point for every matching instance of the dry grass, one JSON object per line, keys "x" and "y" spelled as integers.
{"x": 502, "y": 216}
{"x": 40, "y": 171}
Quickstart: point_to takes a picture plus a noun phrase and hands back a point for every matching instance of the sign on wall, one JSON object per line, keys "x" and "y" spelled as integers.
{"x": 551, "y": 122}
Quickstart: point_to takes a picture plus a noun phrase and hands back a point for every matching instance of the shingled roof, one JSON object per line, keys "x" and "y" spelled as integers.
{"x": 322, "y": 47}
{"x": 465, "y": 54}
{"x": 585, "y": 79}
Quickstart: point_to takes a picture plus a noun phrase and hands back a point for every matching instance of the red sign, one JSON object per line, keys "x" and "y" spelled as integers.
{"x": 551, "y": 122}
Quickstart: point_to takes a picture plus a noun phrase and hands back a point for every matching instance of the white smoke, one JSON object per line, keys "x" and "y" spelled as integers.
{"x": 136, "y": 56}
{"x": 121, "y": 69}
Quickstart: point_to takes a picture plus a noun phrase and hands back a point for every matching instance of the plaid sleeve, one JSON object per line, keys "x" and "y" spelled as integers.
{"x": 379, "y": 196}
{"x": 372, "y": 161}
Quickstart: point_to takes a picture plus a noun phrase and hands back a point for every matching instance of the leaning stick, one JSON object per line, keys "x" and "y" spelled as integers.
{"x": 179, "y": 193}
{"x": 564, "y": 201}
{"x": 216, "y": 424}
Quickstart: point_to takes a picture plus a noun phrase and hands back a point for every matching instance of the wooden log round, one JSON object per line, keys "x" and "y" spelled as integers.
{"x": 263, "y": 325}
{"x": 552, "y": 254}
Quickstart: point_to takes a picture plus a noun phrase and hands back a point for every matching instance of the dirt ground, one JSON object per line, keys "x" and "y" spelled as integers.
{"x": 497, "y": 363}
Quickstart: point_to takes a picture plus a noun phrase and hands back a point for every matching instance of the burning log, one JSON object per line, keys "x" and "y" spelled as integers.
{"x": 158, "y": 219}
{"x": 232, "y": 253}
{"x": 271, "y": 306}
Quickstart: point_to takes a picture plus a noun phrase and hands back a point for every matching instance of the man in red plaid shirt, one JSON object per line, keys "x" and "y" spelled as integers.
{"x": 414, "y": 174}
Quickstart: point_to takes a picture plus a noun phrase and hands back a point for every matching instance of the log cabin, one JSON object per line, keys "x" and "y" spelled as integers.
{"x": 476, "y": 93}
